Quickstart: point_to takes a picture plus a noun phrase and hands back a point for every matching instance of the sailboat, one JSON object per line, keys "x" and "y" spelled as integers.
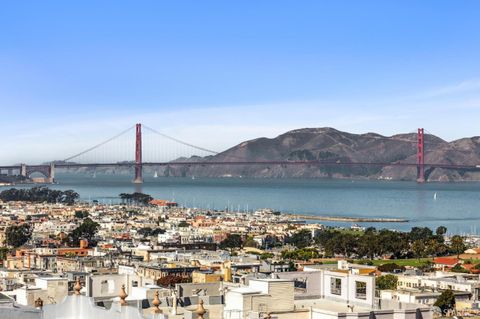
{"x": 155, "y": 175}
{"x": 435, "y": 196}
{"x": 94, "y": 174}
{"x": 193, "y": 177}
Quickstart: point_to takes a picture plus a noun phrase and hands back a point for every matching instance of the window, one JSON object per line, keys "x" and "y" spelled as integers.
{"x": 107, "y": 287}
{"x": 336, "y": 286}
{"x": 103, "y": 286}
{"x": 360, "y": 290}
{"x": 300, "y": 283}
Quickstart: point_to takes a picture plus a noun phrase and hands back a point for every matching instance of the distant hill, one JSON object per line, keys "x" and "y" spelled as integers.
{"x": 333, "y": 145}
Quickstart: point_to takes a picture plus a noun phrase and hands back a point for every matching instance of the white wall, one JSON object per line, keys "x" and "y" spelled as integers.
{"x": 348, "y": 288}
{"x": 49, "y": 290}
{"x": 106, "y": 285}
{"x": 233, "y": 300}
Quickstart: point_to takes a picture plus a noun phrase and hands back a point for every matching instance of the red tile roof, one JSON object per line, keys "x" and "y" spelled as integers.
{"x": 449, "y": 261}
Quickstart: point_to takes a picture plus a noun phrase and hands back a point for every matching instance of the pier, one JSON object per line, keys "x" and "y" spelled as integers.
{"x": 349, "y": 219}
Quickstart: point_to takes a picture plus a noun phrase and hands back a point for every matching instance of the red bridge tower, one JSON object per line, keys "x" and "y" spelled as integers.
{"x": 138, "y": 155}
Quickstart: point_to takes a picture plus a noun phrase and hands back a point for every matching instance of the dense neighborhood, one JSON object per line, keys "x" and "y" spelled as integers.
{"x": 171, "y": 261}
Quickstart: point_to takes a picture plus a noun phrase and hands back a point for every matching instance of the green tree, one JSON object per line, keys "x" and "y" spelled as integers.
{"x": 418, "y": 249}
{"x": 232, "y": 241}
{"x": 420, "y": 233}
{"x": 431, "y": 248}
{"x": 420, "y": 241}
{"x": 265, "y": 256}
{"x": 390, "y": 267}
{"x": 369, "y": 245}
{"x": 68, "y": 197}
{"x": 39, "y": 195}
{"x": 183, "y": 224}
{"x": 301, "y": 254}
{"x": 301, "y": 239}
{"x": 393, "y": 242}
{"x": 291, "y": 266}
{"x": 441, "y": 230}
{"x": 250, "y": 242}
{"x": 4, "y": 253}
{"x": 457, "y": 245}
{"x": 87, "y": 230}
{"x": 148, "y": 231}
{"x": 459, "y": 268}
{"x": 17, "y": 235}
{"x": 347, "y": 244}
{"x": 80, "y": 214}
{"x": 427, "y": 266}
{"x": 442, "y": 249}
{"x": 387, "y": 282}
{"x": 446, "y": 301}
{"x": 136, "y": 198}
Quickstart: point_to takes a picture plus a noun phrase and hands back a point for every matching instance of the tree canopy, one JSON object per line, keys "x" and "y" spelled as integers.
{"x": 4, "y": 253}
{"x": 136, "y": 198}
{"x": 148, "y": 231}
{"x": 387, "y": 282}
{"x": 301, "y": 239}
{"x": 457, "y": 244}
{"x": 232, "y": 241}
{"x": 87, "y": 230}
{"x": 390, "y": 267}
{"x": 183, "y": 223}
{"x": 301, "y": 254}
{"x": 250, "y": 242}
{"x": 80, "y": 214}
{"x": 372, "y": 243}
{"x": 17, "y": 235}
{"x": 446, "y": 301}
{"x": 40, "y": 195}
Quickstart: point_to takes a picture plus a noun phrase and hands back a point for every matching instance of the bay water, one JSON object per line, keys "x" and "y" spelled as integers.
{"x": 455, "y": 205}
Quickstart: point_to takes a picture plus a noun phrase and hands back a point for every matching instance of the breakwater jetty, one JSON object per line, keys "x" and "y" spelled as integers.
{"x": 349, "y": 219}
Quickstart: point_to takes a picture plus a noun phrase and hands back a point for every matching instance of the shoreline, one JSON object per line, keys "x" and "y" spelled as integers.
{"x": 349, "y": 219}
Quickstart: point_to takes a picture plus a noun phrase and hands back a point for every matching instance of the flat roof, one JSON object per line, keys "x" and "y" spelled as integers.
{"x": 245, "y": 290}
{"x": 52, "y": 278}
{"x": 329, "y": 305}
{"x": 272, "y": 279}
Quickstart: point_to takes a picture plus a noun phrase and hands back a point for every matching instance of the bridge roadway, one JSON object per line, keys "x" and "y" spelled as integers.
{"x": 191, "y": 163}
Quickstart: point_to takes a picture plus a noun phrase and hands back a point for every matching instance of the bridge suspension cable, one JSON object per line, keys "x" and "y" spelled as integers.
{"x": 99, "y": 145}
{"x": 179, "y": 141}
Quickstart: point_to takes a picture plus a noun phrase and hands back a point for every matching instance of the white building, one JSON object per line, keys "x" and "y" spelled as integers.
{"x": 50, "y": 289}
{"x": 105, "y": 285}
{"x": 259, "y": 298}
{"x": 318, "y": 294}
{"x": 442, "y": 281}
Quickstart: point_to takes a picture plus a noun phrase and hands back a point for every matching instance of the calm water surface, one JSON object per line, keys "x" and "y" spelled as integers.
{"x": 457, "y": 205}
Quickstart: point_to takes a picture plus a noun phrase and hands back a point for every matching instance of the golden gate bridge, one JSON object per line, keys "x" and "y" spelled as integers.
{"x": 157, "y": 159}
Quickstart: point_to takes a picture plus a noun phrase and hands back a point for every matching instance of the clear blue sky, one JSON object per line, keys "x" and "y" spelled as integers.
{"x": 219, "y": 72}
